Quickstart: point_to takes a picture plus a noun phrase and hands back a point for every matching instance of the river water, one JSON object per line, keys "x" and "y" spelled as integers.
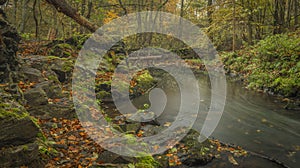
{"x": 256, "y": 121}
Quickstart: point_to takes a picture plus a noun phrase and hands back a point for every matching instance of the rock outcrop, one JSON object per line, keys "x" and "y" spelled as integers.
{"x": 18, "y": 146}
{"x": 18, "y": 136}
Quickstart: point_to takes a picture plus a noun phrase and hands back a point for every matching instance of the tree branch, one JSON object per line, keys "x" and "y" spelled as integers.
{"x": 63, "y": 7}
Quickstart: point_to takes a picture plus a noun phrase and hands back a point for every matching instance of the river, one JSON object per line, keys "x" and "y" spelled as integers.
{"x": 256, "y": 121}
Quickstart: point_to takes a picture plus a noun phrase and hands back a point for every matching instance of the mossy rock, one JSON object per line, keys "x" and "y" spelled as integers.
{"x": 189, "y": 151}
{"x": 9, "y": 108}
{"x": 17, "y": 127}
{"x": 19, "y": 156}
{"x": 62, "y": 50}
{"x": 7, "y": 112}
{"x": 63, "y": 67}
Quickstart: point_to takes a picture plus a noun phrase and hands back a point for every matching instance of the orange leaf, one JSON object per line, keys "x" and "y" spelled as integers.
{"x": 82, "y": 134}
{"x": 56, "y": 100}
{"x": 72, "y": 138}
{"x": 169, "y": 154}
{"x": 1, "y": 85}
{"x": 56, "y": 159}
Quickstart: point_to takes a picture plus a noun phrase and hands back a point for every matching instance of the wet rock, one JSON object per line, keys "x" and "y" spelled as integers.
{"x": 135, "y": 127}
{"x": 17, "y": 131}
{"x": 96, "y": 165}
{"x": 195, "y": 153}
{"x": 51, "y": 88}
{"x": 31, "y": 74}
{"x": 53, "y": 110}
{"x": 63, "y": 69}
{"x": 121, "y": 127}
{"x": 17, "y": 128}
{"x": 52, "y": 67}
{"x": 190, "y": 151}
{"x": 150, "y": 130}
{"x": 110, "y": 157}
{"x": 35, "y": 61}
{"x": 35, "y": 97}
{"x": 18, "y": 135}
{"x": 51, "y": 75}
{"x": 143, "y": 116}
{"x": 22, "y": 155}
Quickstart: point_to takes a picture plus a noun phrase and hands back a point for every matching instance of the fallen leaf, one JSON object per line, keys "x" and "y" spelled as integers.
{"x": 72, "y": 138}
{"x": 232, "y": 160}
{"x": 169, "y": 154}
{"x": 167, "y": 124}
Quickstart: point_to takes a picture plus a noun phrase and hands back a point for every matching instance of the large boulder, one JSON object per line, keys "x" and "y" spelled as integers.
{"x": 17, "y": 128}
{"x": 35, "y": 97}
{"x": 63, "y": 109}
{"x": 18, "y": 136}
{"x": 21, "y": 155}
{"x": 189, "y": 152}
{"x": 31, "y": 74}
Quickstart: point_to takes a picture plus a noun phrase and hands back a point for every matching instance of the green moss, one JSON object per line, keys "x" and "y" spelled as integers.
{"x": 68, "y": 65}
{"x": 144, "y": 82}
{"x": 51, "y": 57}
{"x": 66, "y": 53}
{"x": 64, "y": 46}
{"x": 131, "y": 139}
{"x": 147, "y": 162}
{"x": 35, "y": 121}
{"x": 103, "y": 94}
{"x": 53, "y": 77}
{"x": 6, "y": 111}
{"x": 25, "y": 147}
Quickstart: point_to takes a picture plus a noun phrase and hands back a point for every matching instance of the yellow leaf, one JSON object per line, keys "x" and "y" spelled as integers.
{"x": 232, "y": 160}
{"x": 167, "y": 124}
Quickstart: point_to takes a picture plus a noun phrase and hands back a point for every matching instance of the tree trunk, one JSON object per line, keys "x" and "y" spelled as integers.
{"x": 24, "y": 15}
{"x": 288, "y": 14}
{"x": 249, "y": 23}
{"x": 279, "y": 16}
{"x": 123, "y": 7}
{"x": 209, "y": 11}
{"x": 296, "y": 13}
{"x": 15, "y": 12}
{"x": 65, "y": 8}
{"x": 209, "y": 16}
{"x": 234, "y": 26}
{"x": 90, "y": 7}
{"x": 35, "y": 19}
{"x": 181, "y": 16}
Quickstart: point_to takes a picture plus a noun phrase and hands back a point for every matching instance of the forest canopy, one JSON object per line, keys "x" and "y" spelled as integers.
{"x": 230, "y": 24}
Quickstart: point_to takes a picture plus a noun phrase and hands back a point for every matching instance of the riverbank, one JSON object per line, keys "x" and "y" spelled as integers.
{"x": 271, "y": 66}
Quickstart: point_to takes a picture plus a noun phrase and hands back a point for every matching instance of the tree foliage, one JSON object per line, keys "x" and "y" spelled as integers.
{"x": 226, "y": 22}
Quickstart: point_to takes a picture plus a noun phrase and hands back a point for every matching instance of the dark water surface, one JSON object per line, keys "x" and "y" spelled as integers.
{"x": 256, "y": 121}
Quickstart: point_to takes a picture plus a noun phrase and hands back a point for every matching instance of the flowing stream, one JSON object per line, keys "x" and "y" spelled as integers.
{"x": 256, "y": 121}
